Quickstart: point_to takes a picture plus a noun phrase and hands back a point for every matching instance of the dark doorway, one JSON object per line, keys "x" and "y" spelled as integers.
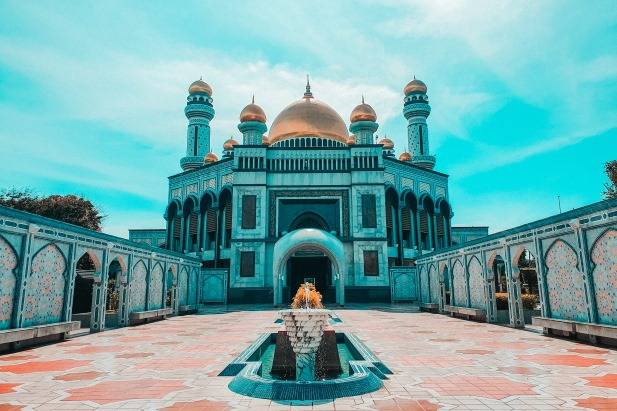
{"x": 310, "y": 268}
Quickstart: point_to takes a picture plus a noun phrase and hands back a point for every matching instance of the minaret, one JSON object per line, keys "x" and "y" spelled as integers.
{"x": 363, "y": 123}
{"x": 199, "y": 112}
{"x": 252, "y": 124}
{"x": 416, "y": 110}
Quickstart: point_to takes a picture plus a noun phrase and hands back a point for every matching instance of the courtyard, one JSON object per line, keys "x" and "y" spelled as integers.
{"x": 438, "y": 362}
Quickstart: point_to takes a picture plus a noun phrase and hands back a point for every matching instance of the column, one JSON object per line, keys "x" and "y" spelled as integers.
{"x": 70, "y": 283}
{"x": 429, "y": 235}
{"x": 586, "y": 265}
{"x": 417, "y": 232}
{"x": 514, "y": 291}
{"x": 434, "y": 230}
{"x": 467, "y": 287}
{"x": 544, "y": 300}
{"x": 399, "y": 229}
{"x": 97, "y": 317}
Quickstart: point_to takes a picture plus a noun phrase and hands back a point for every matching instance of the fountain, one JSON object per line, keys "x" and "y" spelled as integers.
{"x": 306, "y": 360}
{"x": 304, "y": 324}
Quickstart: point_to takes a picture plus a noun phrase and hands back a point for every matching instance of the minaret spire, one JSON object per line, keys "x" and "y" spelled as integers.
{"x": 307, "y": 93}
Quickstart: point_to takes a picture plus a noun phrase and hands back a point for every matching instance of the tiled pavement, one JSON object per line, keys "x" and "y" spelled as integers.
{"x": 438, "y": 363}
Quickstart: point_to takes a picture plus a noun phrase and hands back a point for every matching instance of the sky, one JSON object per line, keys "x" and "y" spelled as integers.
{"x": 523, "y": 93}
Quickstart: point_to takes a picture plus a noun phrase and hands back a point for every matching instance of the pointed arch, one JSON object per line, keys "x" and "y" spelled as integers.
{"x": 8, "y": 280}
{"x": 121, "y": 262}
{"x": 93, "y": 256}
{"x": 137, "y": 284}
{"x": 565, "y": 283}
{"x": 604, "y": 258}
{"x": 44, "y": 294}
{"x": 477, "y": 292}
{"x": 459, "y": 283}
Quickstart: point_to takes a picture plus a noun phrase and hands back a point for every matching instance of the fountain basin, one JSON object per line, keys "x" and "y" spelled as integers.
{"x": 363, "y": 373}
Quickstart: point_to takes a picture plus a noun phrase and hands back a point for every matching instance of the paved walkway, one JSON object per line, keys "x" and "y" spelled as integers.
{"x": 438, "y": 363}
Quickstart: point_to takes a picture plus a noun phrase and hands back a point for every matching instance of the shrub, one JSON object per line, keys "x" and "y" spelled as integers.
{"x": 502, "y": 301}
{"x": 530, "y": 301}
{"x": 300, "y": 299}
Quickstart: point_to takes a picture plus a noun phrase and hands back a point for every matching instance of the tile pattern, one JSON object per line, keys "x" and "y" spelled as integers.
{"x": 183, "y": 284}
{"x": 138, "y": 287}
{"x": 458, "y": 283}
{"x": 477, "y": 292}
{"x": 193, "y": 287}
{"x": 435, "y": 288}
{"x": 438, "y": 363}
{"x": 44, "y": 295}
{"x": 424, "y": 280}
{"x": 8, "y": 262}
{"x": 156, "y": 288}
{"x": 604, "y": 256}
{"x": 565, "y": 283}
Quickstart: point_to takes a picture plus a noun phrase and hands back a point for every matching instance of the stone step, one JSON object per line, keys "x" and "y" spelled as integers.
{"x": 77, "y": 333}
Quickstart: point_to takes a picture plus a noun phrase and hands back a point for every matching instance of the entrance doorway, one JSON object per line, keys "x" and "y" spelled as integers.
{"x": 313, "y": 268}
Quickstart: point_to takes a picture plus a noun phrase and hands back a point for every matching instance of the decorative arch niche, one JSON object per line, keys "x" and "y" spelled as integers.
{"x": 44, "y": 295}
{"x": 8, "y": 263}
{"x": 477, "y": 290}
{"x": 459, "y": 284}
{"x": 137, "y": 283}
{"x": 565, "y": 284}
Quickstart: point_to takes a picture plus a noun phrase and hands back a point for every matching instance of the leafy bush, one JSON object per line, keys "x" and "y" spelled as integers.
{"x": 530, "y": 301}
{"x": 502, "y": 301}
{"x": 307, "y": 295}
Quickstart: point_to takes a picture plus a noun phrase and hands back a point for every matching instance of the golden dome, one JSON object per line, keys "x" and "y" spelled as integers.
{"x": 351, "y": 140}
{"x": 229, "y": 144}
{"x": 308, "y": 117}
{"x": 415, "y": 86}
{"x": 405, "y": 156}
{"x": 200, "y": 86}
{"x": 252, "y": 112}
{"x": 210, "y": 158}
{"x": 387, "y": 143}
{"x": 264, "y": 140}
{"x": 363, "y": 112}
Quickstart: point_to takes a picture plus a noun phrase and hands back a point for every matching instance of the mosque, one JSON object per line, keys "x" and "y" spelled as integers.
{"x": 311, "y": 198}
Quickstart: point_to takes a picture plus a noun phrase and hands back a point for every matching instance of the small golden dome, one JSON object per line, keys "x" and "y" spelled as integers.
{"x": 229, "y": 144}
{"x": 252, "y": 112}
{"x": 415, "y": 86}
{"x": 387, "y": 143}
{"x": 405, "y": 156}
{"x": 200, "y": 86}
{"x": 210, "y": 158}
{"x": 308, "y": 117}
{"x": 264, "y": 140}
{"x": 363, "y": 112}
{"x": 351, "y": 140}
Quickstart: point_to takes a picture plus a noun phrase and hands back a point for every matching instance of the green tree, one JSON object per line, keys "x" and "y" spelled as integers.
{"x": 611, "y": 171}
{"x": 69, "y": 208}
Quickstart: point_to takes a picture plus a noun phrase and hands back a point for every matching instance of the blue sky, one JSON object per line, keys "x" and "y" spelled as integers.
{"x": 524, "y": 94}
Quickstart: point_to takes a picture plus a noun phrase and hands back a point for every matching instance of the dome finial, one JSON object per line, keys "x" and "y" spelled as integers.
{"x": 362, "y": 98}
{"x": 253, "y": 99}
{"x": 307, "y": 93}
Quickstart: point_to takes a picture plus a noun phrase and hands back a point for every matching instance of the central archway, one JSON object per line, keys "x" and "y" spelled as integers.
{"x": 308, "y": 239}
